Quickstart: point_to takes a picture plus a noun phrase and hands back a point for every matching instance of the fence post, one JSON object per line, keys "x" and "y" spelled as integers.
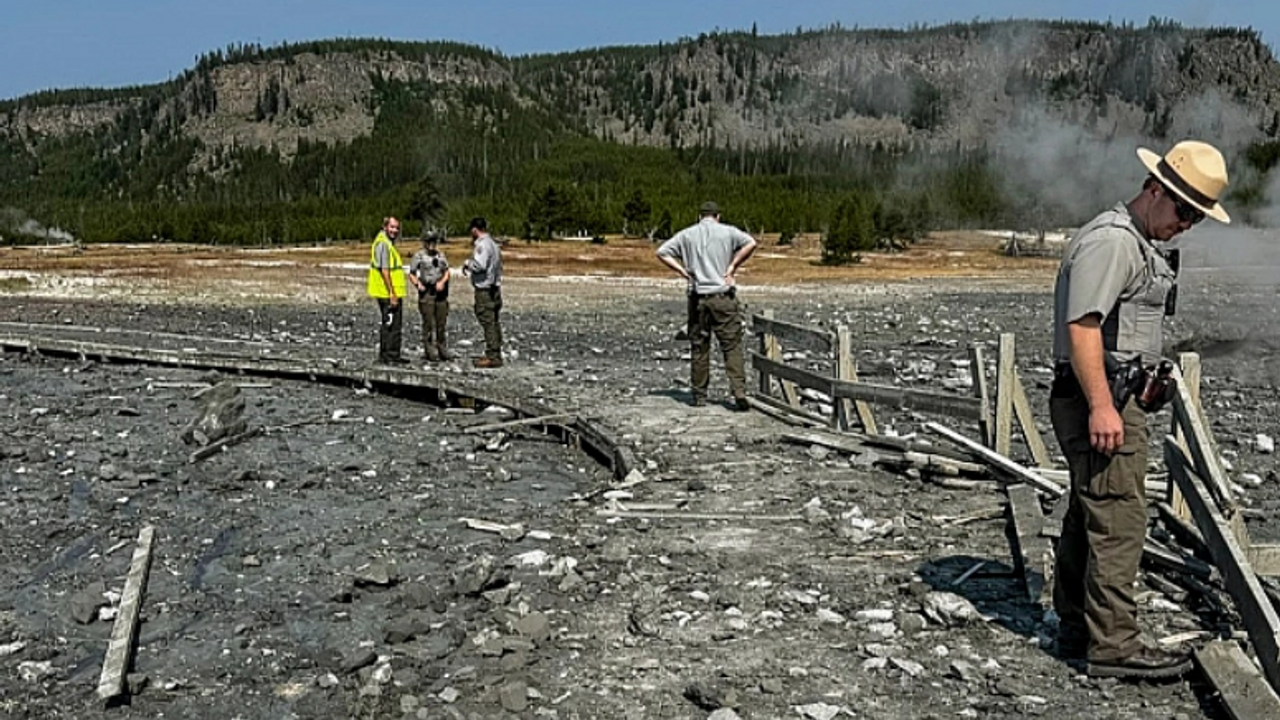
{"x": 978, "y": 371}
{"x": 846, "y": 369}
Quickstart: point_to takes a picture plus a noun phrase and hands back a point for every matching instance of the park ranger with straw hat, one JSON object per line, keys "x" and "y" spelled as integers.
{"x": 1114, "y": 287}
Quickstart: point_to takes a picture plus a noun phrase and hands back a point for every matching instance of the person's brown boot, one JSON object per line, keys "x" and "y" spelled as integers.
{"x": 1145, "y": 664}
{"x": 430, "y": 355}
{"x": 445, "y": 355}
{"x": 487, "y": 362}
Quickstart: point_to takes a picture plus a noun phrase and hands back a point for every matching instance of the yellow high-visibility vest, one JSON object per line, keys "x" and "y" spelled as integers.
{"x": 375, "y": 285}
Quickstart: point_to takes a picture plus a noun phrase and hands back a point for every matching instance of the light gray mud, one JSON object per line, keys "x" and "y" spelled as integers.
{"x": 324, "y": 571}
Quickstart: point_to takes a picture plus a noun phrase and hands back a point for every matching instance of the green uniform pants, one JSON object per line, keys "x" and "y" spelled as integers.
{"x": 720, "y": 315}
{"x": 1103, "y": 532}
{"x": 488, "y": 314}
{"x": 435, "y": 315}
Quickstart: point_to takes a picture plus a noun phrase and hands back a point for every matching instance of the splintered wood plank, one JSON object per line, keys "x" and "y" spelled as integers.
{"x": 540, "y": 420}
{"x": 1245, "y": 694}
{"x": 125, "y": 632}
{"x": 1259, "y": 616}
{"x": 1027, "y": 421}
{"x": 811, "y": 339}
{"x": 847, "y": 369}
{"x": 1028, "y": 547}
{"x": 1200, "y": 447}
{"x": 773, "y": 352}
{"x": 1190, "y": 364}
{"x": 978, "y": 371}
{"x": 999, "y": 461}
{"x": 1004, "y": 394}
{"x": 957, "y": 406}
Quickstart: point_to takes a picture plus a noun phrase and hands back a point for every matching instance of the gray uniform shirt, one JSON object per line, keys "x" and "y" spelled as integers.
{"x": 1111, "y": 269}
{"x": 429, "y": 267}
{"x": 705, "y": 250}
{"x": 485, "y": 264}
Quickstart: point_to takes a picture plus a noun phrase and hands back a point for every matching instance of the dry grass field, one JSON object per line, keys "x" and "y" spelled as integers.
{"x": 335, "y": 271}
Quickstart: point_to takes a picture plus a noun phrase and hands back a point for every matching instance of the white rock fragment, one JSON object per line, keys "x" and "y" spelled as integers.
{"x": 819, "y": 711}
{"x": 829, "y": 617}
{"x": 1265, "y": 444}
{"x": 949, "y": 609}
{"x": 874, "y": 615}
{"x": 910, "y": 667}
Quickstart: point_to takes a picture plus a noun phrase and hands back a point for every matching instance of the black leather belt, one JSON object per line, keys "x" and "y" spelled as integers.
{"x": 1065, "y": 384}
{"x": 731, "y": 292}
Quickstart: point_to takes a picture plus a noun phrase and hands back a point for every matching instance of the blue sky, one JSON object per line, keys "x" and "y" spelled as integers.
{"x": 48, "y": 44}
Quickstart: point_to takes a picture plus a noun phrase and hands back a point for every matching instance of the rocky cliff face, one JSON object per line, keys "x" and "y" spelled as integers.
{"x": 963, "y": 85}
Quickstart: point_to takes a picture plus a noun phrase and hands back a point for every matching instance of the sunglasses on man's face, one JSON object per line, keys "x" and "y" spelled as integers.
{"x": 1187, "y": 212}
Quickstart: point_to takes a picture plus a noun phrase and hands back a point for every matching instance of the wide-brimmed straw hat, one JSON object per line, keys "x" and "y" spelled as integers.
{"x": 1195, "y": 171}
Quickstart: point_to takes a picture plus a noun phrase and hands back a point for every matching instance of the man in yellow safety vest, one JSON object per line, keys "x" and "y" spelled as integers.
{"x": 386, "y": 284}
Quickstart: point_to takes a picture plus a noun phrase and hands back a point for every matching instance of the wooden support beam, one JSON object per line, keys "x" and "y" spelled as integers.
{"x": 772, "y": 351}
{"x": 1004, "y": 394}
{"x": 540, "y": 420}
{"x": 1190, "y": 364}
{"x": 978, "y": 371}
{"x": 1264, "y": 559}
{"x": 773, "y": 407}
{"x": 1244, "y": 692}
{"x": 957, "y": 406}
{"x": 999, "y": 461}
{"x": 698, "y": 516}
{"x": 847, "y": 369}
{"x": 1257, "y": 613}
{"x": 1200, "y": 446}
{"x": 1029, "y": 549}
{"x": 811, "y": 339}
{"x": 1027, "y": 421}
{"x": 125, "y": 632}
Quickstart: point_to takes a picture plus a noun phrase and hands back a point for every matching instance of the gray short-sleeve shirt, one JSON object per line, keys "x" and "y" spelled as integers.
{"x": 1110, "y": 269}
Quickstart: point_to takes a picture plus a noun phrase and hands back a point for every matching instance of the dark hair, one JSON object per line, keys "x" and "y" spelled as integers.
{"x": 478, "y": 223}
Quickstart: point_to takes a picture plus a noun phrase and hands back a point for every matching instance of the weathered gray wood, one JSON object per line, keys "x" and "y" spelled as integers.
{"x": 125, "y": 631}
{"x": 773, "y": 351}
{"x": 958, "y": 406}
{"x": 1028, "y": 547}
{"x": 1257, "y": 613}
{"x": 825, "y": 440}
{"x": 782, "y": 411}
{"x": 820, "y": 341}
{"x": 978, "y": 371}
{"x": 1190, "y": 364}
{"x": 999, "y": 461}
{"x": 1200, "y": 446}
{"x": 1244, "y": 692}
{"x": 1004, "y": 394}
{"x": 1027, "y": 421}
{"x": 1181, "y": 528}
{"x": 698, "y": 517}
{"x": 540, "y": 420}
{"x": 847, "y": 369}
{"x": 1264, "y": 559}
{"x": 1161, "y": 556}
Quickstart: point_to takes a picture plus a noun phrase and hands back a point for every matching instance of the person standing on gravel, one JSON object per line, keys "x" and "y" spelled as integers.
{"x": 386, "y": 284}
{"x": 485, "y": 270}
{"x": 708, "y": 255}
{"x": 1114, "y": 287}
{"x": 429, "y": 273}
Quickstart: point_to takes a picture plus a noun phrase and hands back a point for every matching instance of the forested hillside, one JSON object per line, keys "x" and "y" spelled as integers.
{"x": 869, "y": 133}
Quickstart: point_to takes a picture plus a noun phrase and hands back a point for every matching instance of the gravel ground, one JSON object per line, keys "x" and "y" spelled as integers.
{"x": 322, "y": 569}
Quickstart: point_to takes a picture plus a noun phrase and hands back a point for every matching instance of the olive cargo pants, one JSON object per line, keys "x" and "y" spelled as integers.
{"x": 1103, "y": 532}
{"x": 720, "y": 315}
{"x": 488, "y": 314}
{"x": 435, "y": 315}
